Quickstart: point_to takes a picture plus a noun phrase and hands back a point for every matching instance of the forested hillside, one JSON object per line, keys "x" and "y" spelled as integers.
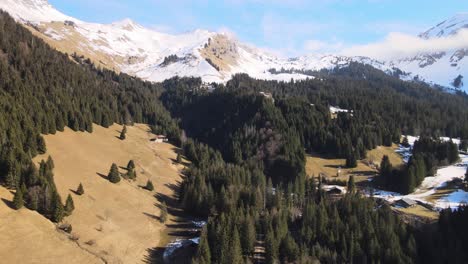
{"x": 42, "y": 91}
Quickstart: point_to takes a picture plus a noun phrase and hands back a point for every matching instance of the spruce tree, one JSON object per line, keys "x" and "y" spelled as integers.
{"x": 131, "y": 174}
{"x": 149, "y": 185}
{"x": 163, "y": 216}
{"x": 80, "y": 189}
{"x": 58, "y": 210}
{"x": 114, "y": 175}
{"x": 235, "y": 252}
{"x": 50, "y": 162}
{"x": 18, "y": 200}
{"x": 69, "y": 205}
{"x": 41, "y": 146}
{"x": 351, "y": 185}
{"x": 122, "y": 134}
{"x": 131, "y": 165}
{"x": 385, "y": 170}
{"x": 203, "y": 255}
{"x": 247, "y": 233}
{"x": 351, "y": 161}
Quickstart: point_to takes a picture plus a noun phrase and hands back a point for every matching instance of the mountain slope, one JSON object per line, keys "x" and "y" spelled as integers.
{"x": 129, "y": 47}
{"x": 442, "y": 67}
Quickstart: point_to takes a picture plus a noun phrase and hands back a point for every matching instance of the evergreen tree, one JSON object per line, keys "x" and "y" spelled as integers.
{"x": 149, "y": 185}
{"x": 18, "y": 200}
{"x": 271, "y": 249}
{"x": 163, "y": 216}
{"x": 179, "y": 158}
{"x": 351, "y": 185}
{"x": 247, "y": 236}
{"x": 235, "y": 250}
{"x": 351, "y": 161}
{"x": 50, "y": 163}
{"x": 41, "y": 146}
{"x": 114, "y": 175}
{"x": 131, "y": 174}
{"x": 123, "y": 133}
{"x": 80, "y": 189}
{"x": 203, "y": 255}
{"x": 131, "y": 165}
{"x": 58, "y": 210}
{"x": 289, "y": 250}
{"x": 386, "y": 169}
{"x": 69, "y": 205}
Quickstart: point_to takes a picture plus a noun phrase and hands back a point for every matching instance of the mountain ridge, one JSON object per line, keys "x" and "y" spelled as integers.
{"x": 129, "y": 47}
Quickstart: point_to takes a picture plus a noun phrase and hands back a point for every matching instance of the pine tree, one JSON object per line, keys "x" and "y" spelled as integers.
{"x": 149, "y": 185}
{"x": 122, "y": 134}
{"x": 131, "y": 165}
{"x": 385, "y": 170}
{"x": 50, "y": 163}
{"x": 247, "y": 233}
{"x": 351, "y": 161}
{"x": 58, "y": 210}
{"x": 41, "y": 146}
{"x": 114, "y": 175}
{"x": 163, "y": 216}
{"x": 80, "y": 189}
{"x": 18, "y": 200}
{"x": 131, "y": 174}
{"x": 351, "y": 184}
{"x": 203, "y": 255}
{"x": 235, "y": 252}
{"x": 271, "y": 249}
{"x": 69, "y": 205}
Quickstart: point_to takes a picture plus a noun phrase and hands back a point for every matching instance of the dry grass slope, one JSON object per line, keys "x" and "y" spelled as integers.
{"x": 115, "y": 222}
{"x": 318, "y": 164}
{"x": 28, "y": 237}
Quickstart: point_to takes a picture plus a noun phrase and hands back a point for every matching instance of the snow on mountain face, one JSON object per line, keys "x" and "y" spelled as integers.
{"x": 448, "y": 27}
{"x": 446, "y": 68}
{"x": 129, "y": 47}
{"x": 33, "y": 10}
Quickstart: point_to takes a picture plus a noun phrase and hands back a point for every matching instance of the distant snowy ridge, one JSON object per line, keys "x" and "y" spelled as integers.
{"x": 129, "y": 47}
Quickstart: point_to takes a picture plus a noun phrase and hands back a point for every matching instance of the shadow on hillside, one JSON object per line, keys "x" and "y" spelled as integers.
{"x": 102, "y": 176}
{"x": 335, "y": 166}
{"x": 182, "y": 255}
{"x": 154, "y": 256}
{"x": 8, "y": 203}
{"x": 155, "y": 217}
{"x": 74, "y": 192}
{"x": 363, "y": 173}
{"x": 184, "y": 163}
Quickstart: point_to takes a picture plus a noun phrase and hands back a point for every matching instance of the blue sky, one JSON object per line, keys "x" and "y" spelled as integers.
{"x": 287, "y": 26}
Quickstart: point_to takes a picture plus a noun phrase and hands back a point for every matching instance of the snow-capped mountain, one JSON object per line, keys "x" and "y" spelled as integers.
{"x": 129, "y": 47}
{"x": 443, "y": 67}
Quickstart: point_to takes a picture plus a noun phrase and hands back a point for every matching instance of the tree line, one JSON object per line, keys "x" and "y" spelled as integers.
{"x": 427, "y": 155}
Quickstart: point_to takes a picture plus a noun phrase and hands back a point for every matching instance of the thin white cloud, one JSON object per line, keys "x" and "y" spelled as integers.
{"x": 318, "y": 46}
{"x": 399, "y": 45}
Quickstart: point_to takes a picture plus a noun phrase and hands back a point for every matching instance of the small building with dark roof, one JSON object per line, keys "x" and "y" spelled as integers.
{"x": 406, "y": 203}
